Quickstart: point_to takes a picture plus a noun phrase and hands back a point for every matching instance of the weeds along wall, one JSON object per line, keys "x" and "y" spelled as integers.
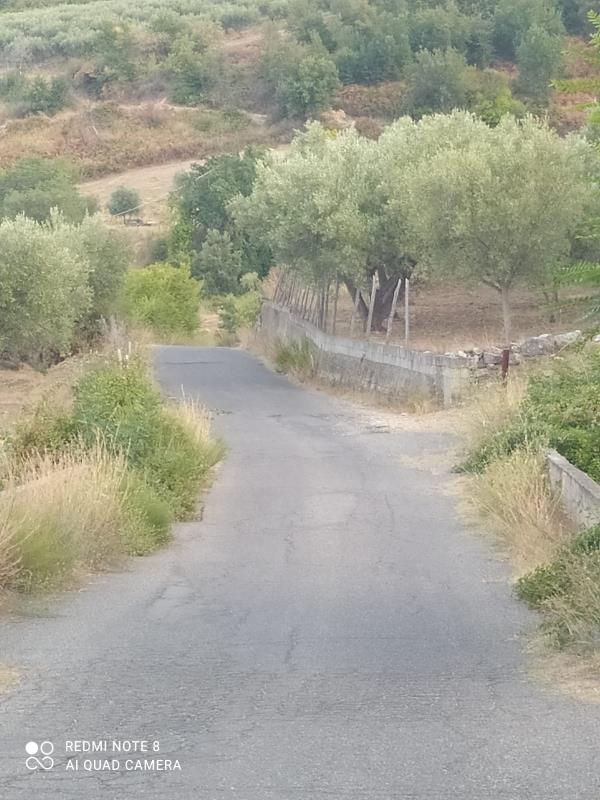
{"x": 374, "y": 366}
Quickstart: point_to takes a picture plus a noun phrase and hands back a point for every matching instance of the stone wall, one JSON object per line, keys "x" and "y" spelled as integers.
{"x": 580, "y": 495}
{"x": 390, "y": 369}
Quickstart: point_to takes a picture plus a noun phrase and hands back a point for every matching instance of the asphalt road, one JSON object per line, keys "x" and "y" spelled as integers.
{"x": 328, "y": 630}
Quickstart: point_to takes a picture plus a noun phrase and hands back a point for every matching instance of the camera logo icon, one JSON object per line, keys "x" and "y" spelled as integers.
{"x": 39, "y": 756}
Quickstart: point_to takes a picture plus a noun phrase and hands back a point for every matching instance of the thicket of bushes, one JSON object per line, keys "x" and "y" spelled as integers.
{"x": 105, "y": 478}
{"x": 35, "y": 186}
{"x": 162, "y": 298}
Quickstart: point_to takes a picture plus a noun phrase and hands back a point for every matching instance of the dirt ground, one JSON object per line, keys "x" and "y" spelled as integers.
{"x": 152, "y": 183}
{"x": 23, "y": 388}
{"x": 446, "y": 319}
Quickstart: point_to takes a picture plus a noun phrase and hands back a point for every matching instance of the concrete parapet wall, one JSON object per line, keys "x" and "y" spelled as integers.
{"x": 580, "y": 495}
{"x": 376, "y": 366}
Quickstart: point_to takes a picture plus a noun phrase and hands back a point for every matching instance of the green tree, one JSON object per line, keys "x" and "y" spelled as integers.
{"x": 308, "y": 86}
{"x": 44, "y": 291}
{"x": 218, "y": 264}
{"x": 123, "y": 202}
{"x": 164, "y": 298}
{"x": 200, "y": 203}
{"x": 503, "y": 207}
{"x": 193, "y": 69}
{"x": 514, "y": 18}
{"x": 539, "y": 59}
{"x": 108, "y": 255}
{"x": 437, "y": 82}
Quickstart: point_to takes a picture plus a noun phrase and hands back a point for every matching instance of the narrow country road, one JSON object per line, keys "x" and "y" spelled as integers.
{"x": 328, "y": 630}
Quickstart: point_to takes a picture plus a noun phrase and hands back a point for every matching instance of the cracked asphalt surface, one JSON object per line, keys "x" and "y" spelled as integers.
{"x": 328, "y": 630}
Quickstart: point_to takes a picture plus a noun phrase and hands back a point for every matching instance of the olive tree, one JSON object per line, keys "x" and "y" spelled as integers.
{"x": 44, "y": 291}
{"x": 502, "y": 208}
{"x": 307, "y": 206}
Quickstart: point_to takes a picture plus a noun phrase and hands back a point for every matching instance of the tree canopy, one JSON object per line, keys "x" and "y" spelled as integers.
{"x": 447, "y": 194}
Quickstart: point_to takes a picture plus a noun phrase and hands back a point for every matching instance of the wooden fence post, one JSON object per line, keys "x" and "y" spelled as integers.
{"x": 390, "y": 321}
{"x": 335, "y": 305}
{"x": 371, "y": 304}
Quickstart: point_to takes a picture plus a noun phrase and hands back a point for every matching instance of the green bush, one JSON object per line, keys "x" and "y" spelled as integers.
{"x": 123, "y": 202}
{"x": 437, "y": 82}
{"x": 567, "y": 591}
{"x": 35, "y": 186}
{"x": 548, "y": 580}
{"x": 164, "y": 298}
{"x": 559, "y": 410}
{"x": 119, "y": 404}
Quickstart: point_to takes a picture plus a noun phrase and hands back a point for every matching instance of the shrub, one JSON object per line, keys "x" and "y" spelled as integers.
{"x": 123, "y": 202}
{"x": 169, "y": 449}
{"x": 490, "y": 96}
{"x": 241, "y": 311}
{"x": 35, "y": 186}
{"x": 45, "y": 97}
{"x": 559, "y": 409}
{"x": 437, "y": 82}
{"x": 308, "y": 86}
{"x": 554, "y": 579}
{"x": 164, "y": 298}
{"x": 108, "y": 255}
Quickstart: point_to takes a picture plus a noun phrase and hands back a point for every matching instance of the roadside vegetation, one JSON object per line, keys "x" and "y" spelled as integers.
{"x": 84, "y": 486}
{"x": 100, "y": 469}
{"x": 509, "y": 430}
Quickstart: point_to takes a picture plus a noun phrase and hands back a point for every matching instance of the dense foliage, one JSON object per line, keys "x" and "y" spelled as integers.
{"x": 35, "y": 186}
{"x": 55, "y": 280}
{"x": 162, "y": 298}
{"x": 204, "y": 233}
{"x": 560, "y": 410}
{"x": 448, "y": 194}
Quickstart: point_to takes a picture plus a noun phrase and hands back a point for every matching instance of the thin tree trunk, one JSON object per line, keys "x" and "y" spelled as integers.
{"x": 371, "y": 305}
{"x": 335, "y": 305}
{"x": 361, "y": 306}
{"x": 506, "y": 316}
{"x": 355, "y": 309}
{"x": 390, "y": 321}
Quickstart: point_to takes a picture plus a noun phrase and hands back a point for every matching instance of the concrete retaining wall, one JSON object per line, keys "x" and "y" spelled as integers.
{"x": 580, "y": 495}
{"x": 387, "y": 368}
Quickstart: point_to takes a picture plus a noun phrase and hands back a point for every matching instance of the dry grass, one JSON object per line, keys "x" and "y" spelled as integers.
{"x": 514, "y": 498}
{"x": 107, "y": 138}
{"x": 573, "y": 619}
{"x": 490, "y": 408}
{"x": 61, "y": 514}
{"x": 195, "y": 418}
